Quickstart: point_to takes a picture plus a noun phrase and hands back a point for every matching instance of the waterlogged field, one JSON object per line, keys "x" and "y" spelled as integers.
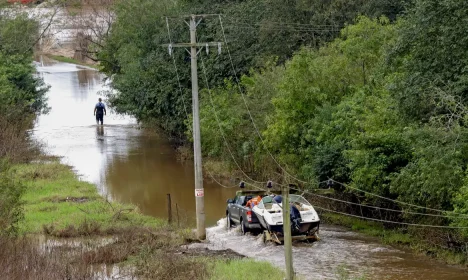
{"x": 60, "y": 204}
{"x": 76, "y": 233}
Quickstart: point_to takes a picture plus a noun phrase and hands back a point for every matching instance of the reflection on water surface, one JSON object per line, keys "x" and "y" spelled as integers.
{"x": 137, "y": 166}
{"x": 126, "y": 163}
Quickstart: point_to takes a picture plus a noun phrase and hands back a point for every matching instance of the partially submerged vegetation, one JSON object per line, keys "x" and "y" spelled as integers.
{"x": 59, "y": 204}
{"x": 379, "y": 106}
{"x": 55, "y": 226}
{"x": 84, "y": 232}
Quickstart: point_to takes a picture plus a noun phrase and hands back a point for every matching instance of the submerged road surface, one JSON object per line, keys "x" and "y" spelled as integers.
{"x": 126, "y": 163}
{"x": 132, "y": 165}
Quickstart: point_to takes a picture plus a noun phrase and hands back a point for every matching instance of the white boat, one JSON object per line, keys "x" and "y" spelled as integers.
{"x": 305, "y": 221}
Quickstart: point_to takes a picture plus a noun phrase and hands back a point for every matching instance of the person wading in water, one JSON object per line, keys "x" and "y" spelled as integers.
{"x": 100, "y": 111}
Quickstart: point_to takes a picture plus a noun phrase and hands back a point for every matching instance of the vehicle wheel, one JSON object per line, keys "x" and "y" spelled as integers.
{"x": 228, "y": 221}
{"x": 244, "y": 229}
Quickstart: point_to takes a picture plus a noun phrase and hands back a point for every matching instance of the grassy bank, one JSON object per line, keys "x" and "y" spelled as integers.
{"x": 56, "y": 201}
{"x": 410, "y": 238}
{"x": 67, "y": 211}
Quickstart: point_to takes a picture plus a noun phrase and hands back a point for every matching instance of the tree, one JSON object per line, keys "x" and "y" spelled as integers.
{"x": 430, "y": 55}
{"x": 256, "y": 32}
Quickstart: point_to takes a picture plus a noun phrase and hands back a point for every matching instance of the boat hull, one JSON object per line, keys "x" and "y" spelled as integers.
{"x": 304, "y": 228}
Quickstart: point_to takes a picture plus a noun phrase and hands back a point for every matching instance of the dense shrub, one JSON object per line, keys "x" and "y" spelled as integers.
{"x": 10, "y": 201}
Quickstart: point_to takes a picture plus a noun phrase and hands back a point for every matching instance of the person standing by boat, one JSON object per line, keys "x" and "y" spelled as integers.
{"x": 99, "y": 112}
{"x": 295, "y": 216}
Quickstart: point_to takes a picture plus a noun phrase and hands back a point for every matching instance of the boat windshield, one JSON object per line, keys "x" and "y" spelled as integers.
{"x": 269, "y": 204}
{"x": 294, "y": 198}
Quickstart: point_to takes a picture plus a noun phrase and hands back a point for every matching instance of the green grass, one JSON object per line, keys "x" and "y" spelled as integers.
{"x": 245, "y": 269}
{"x": 55, "y": 198}
{"x": 56, "y": 202}
{"x": 71, "y": 60}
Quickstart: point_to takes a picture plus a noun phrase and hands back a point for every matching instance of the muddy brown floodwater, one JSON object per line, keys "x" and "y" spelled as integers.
{"x": 126, "y": 163}
{"x": 136, "y": 166}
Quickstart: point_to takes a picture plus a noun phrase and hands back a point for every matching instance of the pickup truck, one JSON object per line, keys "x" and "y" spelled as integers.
{"x": 237, "y": 213}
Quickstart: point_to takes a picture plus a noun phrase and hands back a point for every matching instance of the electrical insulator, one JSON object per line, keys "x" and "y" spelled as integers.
{"x": 169, "y": 48}
{"x": 242, "y": 185}
{"x": 219, "y": 48}
{"x": 270, "y": 184}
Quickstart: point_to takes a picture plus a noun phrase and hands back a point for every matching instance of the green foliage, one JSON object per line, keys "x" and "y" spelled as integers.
{"x": 379, "y": 105}
{"x": 11, "y": 205}
{"x": 22, "y": 95}
{"x": 146, "y": 85}
{"x": 333, "y": 91}
{"x": 227, "y": 106}
{"x": 256, "y": 30}
{"x": 430, "y": 53}
{"x": 334, "y": 114}
{"x": 20, "y": 91}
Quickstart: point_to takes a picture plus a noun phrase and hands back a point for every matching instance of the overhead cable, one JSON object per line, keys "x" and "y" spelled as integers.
{"x": 396, "y": 201}
{"x": 221, "y": 131}
{"x": 389, "y": 222}
{"x": 248, "y": 110}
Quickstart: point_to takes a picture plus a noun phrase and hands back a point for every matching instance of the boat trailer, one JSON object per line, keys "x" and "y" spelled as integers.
{"x": 278, "y": 237}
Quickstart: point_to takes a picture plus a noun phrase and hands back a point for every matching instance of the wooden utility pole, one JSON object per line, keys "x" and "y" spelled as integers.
{"x": 199, "y": 190}
{"x": 194, "y": 20}
{"x": 287, "y": 235}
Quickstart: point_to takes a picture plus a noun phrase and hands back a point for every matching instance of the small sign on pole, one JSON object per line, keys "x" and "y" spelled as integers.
{"x": 199, "y": 192}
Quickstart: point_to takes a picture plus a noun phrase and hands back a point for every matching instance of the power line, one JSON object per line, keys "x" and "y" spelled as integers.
{"x": 220, "y": 127}
{"x": 271, "y": 155}
{"x": 217, "y": 182}
{"x": 176, "y": 70}
{"x": 247, "y": 107}
{"x": 298, "y": 24}
{"x": 279, "y": 28}
{"x": 283, "y": 27}
{"x": 397, "y": 201}
{"x": 387, "y": 221}
{"x": 390, "y": 222}
{"x": 372, "y": 206}
{"x": 256, "y": 128}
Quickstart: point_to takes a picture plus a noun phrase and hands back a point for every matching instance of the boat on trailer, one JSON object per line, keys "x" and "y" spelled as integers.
{"x": 305, "y": 222}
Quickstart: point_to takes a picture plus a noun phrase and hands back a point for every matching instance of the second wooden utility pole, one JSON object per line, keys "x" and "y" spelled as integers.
{"x": 287, "y": 235}
{"x": 199, "y": 190}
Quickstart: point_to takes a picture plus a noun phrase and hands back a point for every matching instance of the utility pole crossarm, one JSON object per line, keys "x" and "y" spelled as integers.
{"x": 189, "y": 45}
{"x": 192, "y": 16}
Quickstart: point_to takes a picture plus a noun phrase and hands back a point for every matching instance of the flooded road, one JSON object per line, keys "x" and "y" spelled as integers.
{"x": 338, "y": 250}
{"x": 132, "y": 165}
{"x": 126, "y": 163}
